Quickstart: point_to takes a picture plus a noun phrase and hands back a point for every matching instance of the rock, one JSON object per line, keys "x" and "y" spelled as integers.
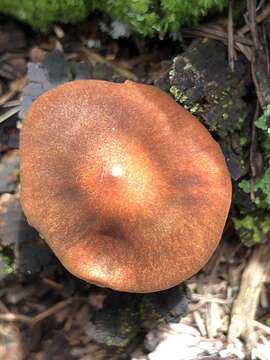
{"x": 55, "y": 70}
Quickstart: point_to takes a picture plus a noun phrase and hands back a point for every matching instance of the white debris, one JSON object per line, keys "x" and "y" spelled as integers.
{"x": 184, "y": 342}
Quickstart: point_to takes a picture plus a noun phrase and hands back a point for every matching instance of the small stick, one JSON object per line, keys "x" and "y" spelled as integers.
{"x": 52, "y": 310}
{"x": 230, "y": 27}
{"x": 11, "y": 317}
{"x": 264, "y": 328}
{"x": 53, "y": 284}
{"x": 95, "y": 57}
{"x": 9, "y": 113}
{"x": 251, "y": 4}
{"x": 259, "y": 18}
{"x": 15, "y": 87}
{"x": 12, "y": 103}
{"x": 200, "y": 323}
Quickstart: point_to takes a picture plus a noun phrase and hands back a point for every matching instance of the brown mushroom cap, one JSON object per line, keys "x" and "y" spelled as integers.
{"x": 127, "y": 187}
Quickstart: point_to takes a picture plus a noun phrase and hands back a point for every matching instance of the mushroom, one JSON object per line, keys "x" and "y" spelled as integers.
{"x": 128, "y": 188}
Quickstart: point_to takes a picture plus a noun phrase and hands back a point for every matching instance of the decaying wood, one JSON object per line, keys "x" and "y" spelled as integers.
{"x": 201, "y": 80}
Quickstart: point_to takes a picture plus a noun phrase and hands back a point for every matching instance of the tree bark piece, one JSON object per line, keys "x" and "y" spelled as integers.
{"x": 201, "y": 80}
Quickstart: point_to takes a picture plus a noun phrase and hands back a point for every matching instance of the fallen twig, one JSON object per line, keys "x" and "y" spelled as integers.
{"x": 15, "y": 87}
{"x": 259, "y": 18}
{"x": 11, "y": 317}
{"x": 264, "y": 328}
{"x": 95, "y": 57}
{"x": 9, "y": 113}
{"x": 52, "y": 310}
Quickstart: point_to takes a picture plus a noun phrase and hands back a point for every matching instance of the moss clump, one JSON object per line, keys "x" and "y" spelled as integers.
{"x": 146, "y": 17}
{"x": 40, "y": 14}
{"x": 263, "y": 121}
{"x": 6, "y": 260}
{"x": 178, "y": 95}
{"x": 140, "y": 15}
{"x": 253, "y": 227}
{"x": 185, "y": 11}
{"x": 260, "y": 187}
{"x": 149, "y": 312}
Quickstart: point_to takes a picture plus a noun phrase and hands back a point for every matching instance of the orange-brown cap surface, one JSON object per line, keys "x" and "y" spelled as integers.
{"x": 127, "y": 187}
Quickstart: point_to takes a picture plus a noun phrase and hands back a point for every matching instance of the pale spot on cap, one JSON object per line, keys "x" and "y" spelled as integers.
{"x": 117, "y": 170}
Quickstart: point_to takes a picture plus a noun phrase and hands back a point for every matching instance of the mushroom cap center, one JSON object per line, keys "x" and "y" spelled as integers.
{"x": 121, "y": 178}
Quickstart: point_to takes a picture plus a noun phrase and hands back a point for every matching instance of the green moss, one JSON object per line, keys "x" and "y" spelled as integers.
{"x": 139, "y": 15}
{"x": 243, "y": 141}
{"x": 263, "y": 121}
{"x": 146, "y": 17}
{"x": 40, "y": 14}
{"x": 247, "y": 229}
{"x": 261, "y": 189}
{"x": 183, "y": 99}
{"x": 251, "y": 228}
{"x": 254, "y": 226}
{"x": 172, "y": 73}
{"x": 175, "y": 12}
{"x": 261, "y": 186}
{"x": 195, "y": 108}
{"x": 177, "y": 94}
{"x": 149, "y": 312}
{"x": 7, "y": 259}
